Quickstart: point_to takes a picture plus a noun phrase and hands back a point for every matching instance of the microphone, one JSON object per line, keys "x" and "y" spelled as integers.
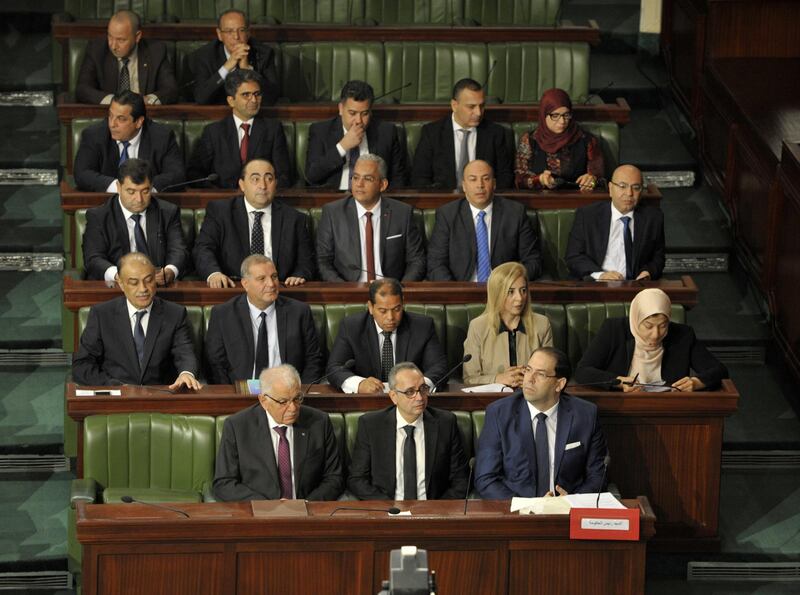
{"x": 208, "y": 178}
{"x": 355, "y": 267}
{"x": 489, "y": 74}
{"x": 408, "y": 84}
{"x": 603, "y": 90}
{"x": 392, "y": 510}
{"x": 469, "y": 481}
{"x": 130, "y": 499}
{"x": 444, "y": 378}
{"x": 348, "y": 365}
{"x": 606, "y": 462}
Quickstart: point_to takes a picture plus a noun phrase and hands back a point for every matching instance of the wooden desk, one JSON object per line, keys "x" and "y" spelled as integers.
{"x": 222, "y": 549}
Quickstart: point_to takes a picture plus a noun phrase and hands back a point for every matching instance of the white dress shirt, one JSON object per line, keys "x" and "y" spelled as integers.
{"x": 471, "y": 141}
{"x": 363, "y": 149}
{"x": 376, "y": 238}
{"x": 551, "y": 423}
{"x": 273, "y": 346}
{"x": 132, "y": 310}
{"x": 419, "y": 444}
{"x": 133, "y": 153}
{"x": 488, "y": 220}
{"x": 275, "y": 441}
{"x": 266, "y": 225}
{"x": 615, "y": 250}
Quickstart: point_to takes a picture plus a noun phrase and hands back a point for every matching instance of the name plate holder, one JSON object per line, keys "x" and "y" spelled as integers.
{"x": 618, "y": 524}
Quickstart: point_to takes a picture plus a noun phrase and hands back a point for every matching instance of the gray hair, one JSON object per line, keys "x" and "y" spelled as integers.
{"x": 248, "y": 262}
{"x": 285, "y": 372}
{"x": 382, "y": 168}
{"x": 401, "y": 367}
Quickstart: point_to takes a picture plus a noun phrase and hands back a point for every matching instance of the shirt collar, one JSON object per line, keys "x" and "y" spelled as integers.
{"x": 132, "y": 57}
{"x": 134, "y": 142}
{"x": 379, "y": 330}
{"x": 551, "y": 413}
{"x": 376, "y": 210}
{"x": 272, "y": 423}
{"x": 457, "y": 126}
{"x": 401, "y": 422}
{"x": 133, "y": 309}
{"x": 504, "y": 329}
{"x": 126, "y": 214}
{"x": 239, "y": 122}
{"x": 250, "y": 208}
{"x": 475, "y": 211}
{"x": 255, "y": 312}
{"x": 616, "y": 215}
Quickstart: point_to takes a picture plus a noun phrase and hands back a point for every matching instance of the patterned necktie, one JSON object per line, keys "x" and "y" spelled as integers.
{"x": 124, "y": 77}
{"x": 463, "y": 157}
{"x": 284, "y": 463}
{"x": 482, "y": 236}
{"x": 138, "y": 335}
{"x": 123, "y": 157}
{"x": 628, "y": 239}
{"x": 409, "y": 465}
{"x": 542, "y": 457}
{"x": 352, "y": 157}
{"x": 262, "y": 346}
{"x": 245, "y": 144}
{"x": 257, "y": 236}
{"x": 138, "y": 233}
{"x": 387, "y": 355}
{"x": 369, "y": 240}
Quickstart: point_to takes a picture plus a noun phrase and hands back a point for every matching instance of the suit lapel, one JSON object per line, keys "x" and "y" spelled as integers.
{"x": 374, "y": 345}
{"x": 153, "y": 225}
{"x": 281, "y": 323}
{"x": 301, "y": 433}
{"x": 143, "y": 59}
{"x": 465, "y": 217}
{"x": 266, "y": 453}
{"x": 431, "y": 438}
{"x": 388, "y": 429}
{"x": 602, "y": 227}
{"x": 243, "y": 316}
{"x": 120, "y": 225}
{"x": 242, "y": 225}
{"x": 145, "y": 149}
{"x": 231, "y": 136}
{"x": 639, "y": 233}
{"x": 497, "y": 222}
{"x": 403, "y": 337}
{"x": 354, "y": 237}
{"x": 386, "y": 220}
{"x": 275, "y": 232}
{"x": 563, "y": 426}
{"x": 153, "y": 329}
{"x": 257, "y": 131}
{"x": 482, "y": 143}
{"x": 111, "y": 68}
{"x": 525, "y": 433}
{"x": 125, "y": 331}
{"x": 449, "y": 144}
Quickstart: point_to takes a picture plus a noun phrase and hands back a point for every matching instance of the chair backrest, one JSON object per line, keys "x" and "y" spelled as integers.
{"x": 531, "y": 13}
{"x": 554, "y": 228}
{"x": 415, "y": 12}
{"x": 103, "y": 9}
{"x": 307, "y": 11}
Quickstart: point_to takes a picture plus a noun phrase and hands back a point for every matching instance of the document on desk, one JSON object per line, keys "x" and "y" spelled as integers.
{"x": 278, "y": 508}
{"x": 540, "y": 505}
{"x": 495, "y": 387}
{"x": 607, "y": 500}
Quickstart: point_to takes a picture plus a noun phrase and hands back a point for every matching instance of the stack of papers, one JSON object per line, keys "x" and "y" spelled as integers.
{"x": 563, "y": 504}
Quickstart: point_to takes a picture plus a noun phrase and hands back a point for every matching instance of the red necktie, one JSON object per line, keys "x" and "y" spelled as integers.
{"x": 370, "y": 241}
{"x": 245, "y": 143}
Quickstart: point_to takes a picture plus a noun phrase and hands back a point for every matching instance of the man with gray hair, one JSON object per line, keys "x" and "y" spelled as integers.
{"x": 408, "y": 451}
{"x": 365, "y": 236}
{"x": 301, "y": 458}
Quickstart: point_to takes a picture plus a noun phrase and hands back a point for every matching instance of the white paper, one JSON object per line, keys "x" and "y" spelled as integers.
{"x": 607, "y": 500}
{"x": 82, "y": 392}
{"x": 403, "y": 513}
{"x": 550, "y": 505}
{"x": 495, "y": 387}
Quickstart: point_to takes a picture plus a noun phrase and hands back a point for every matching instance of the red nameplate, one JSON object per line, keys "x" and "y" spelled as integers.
{"x": 604, "y": 523}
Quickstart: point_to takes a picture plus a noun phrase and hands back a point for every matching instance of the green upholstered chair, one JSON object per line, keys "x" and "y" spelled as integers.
{"x": 300, "y": 150}
{"x": 103, "y": 9}
{"x": 417, "y": 12}
{"x": 413, "y": 133}
{"x": 183, "y": 72}
{"x": 554, "y": 228}
{"x": 478, "y": 417}
{"x": 304, "y": 11}
{"x": 531, "y": 13}
{"x": 351, "y": 429}
{"x": 464, "y": 421}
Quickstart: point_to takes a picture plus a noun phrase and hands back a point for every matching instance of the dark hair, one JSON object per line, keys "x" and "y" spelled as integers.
{"x": 132, "y": 99}
{"x": 563, "y": 367}
{"x": 133, "y": 18}
{"x": 470, "y": 84}
{"x": 385, "y": 286}
{"x": 232, "y": 11}
{"x": 138, "y": 170}
{"x": 238, "y": 77}
{"x": 249, "y": 161}
{"x": 357, "y": 91}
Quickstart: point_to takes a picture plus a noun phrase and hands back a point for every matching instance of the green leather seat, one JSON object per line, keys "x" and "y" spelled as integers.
{"x": 418, "y": 12}
{"x": 301, "y": 150}
{"x": 531, "y": 13}
{"x": 413, "y": 133}
{"x": 82, "y": 10}
{"x": 351, "y": 429}
{"x": 304, "y": 11}
{"x": 464, "y": 421}
{"x": 554, "y": 228}
{"x": 478, "y": 418}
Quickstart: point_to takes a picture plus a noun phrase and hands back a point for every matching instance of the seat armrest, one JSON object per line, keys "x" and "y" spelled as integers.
{"x": 82, "y": 490}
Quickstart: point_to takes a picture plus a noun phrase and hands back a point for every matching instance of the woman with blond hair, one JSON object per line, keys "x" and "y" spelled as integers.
{"x": 502, "y": 339}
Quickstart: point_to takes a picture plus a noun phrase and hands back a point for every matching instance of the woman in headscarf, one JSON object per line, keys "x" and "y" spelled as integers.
{"x": 502, "y": 339}
{"x": 647, "y": 348}
{"x": 558, "y": 148}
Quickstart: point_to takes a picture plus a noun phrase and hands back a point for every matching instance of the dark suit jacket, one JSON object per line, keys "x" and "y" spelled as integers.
{"x": 324, "y": 164}
{"x": 218, "y": 151}
{"x": 224, "y": 240}
{"x": 209, "y": 87}
{"x": 453, "y": 248}
{"x": 357, "y": 339}
{"x": 435, "y": 157}
{"x": 99, "y": 74}
{"x": 230, "y": 350}
{"x": 97, "y": 161}
{"x": 610, "y": 353}
{"x": 246, "y": 465}
{"x": 588, "y": 240}
{"x": 107, "y": 354}
{"x": 372, "y": 470}
{"x": 505, "y": 464}
{"x": 402, "y": 255}
{"x": 106, "y": 238}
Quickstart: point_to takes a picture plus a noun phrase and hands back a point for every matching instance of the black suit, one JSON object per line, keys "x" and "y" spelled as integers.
{"x": 373, "y": 475}
{"x": 99, "y": 74}
{"x": 588, "y": 240}
{"x": 106, "y": 238}
{"x": 453, "y": 248}
{"x": 357, "y": 339}
{"x": 230, "y": 349}
{"x": 246, "y": 463}
{"x": 97, "y": 161}
{"x": 224, "y": 240}
{"x": 209, "y": 86}
{"x": 401, "y": 253}
{"x": 435, "y": 157}
{"x": 107, "y": 353}
{"x": 610, "y": 354}
{"x": 324, "y": 164}
{"x": 217, "y": 151}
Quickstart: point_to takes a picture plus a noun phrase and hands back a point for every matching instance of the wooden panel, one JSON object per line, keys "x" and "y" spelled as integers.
{"x": 179, "y": 573}
{"x": 753, "y": 28}
{"x": 313, "y": 570}
{"x": 684, "y": 49}
{"x": 714, "y": 134}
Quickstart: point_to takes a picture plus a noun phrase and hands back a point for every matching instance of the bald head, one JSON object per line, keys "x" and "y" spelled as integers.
{"x": 123, "y": 33}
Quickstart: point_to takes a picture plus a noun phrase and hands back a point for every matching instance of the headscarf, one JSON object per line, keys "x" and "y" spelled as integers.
{"x": 549, "y": 141}
{"x": 646, "y": 360}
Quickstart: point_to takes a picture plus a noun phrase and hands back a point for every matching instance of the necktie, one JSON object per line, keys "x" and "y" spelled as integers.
{"x": 124, "y": 77}
{"x": 138, "y": 335}
{"x": 409, "y": 465}
{"x": 369, "y": 240}
{"x": 626, "y": 234}
{"x": 463, "y": 157}
{"x": 387, "y": 355}
{"x": 257, "y": 236}
{"x": 482, "y": 236}
{"x": 123, "y": 157}
{"x": 138, "y": 233}
{"x": 542, "y": 457}
{"x": 262, "y": 346}
{"x": 352, "y": 157}
{"x": 284, "y": 463}
{"x": 243, "y": 146}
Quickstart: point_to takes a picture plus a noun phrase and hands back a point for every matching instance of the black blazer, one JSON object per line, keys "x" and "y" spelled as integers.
{"x": 357, "y": 339}
{"x": 324, "y": 164}
{"x": 99, "y": 74}
{"x": 453, "y": 248}
{"x": 107, "y": 354}
{"x": 97, "y": 161}
{"x": 224, "y": 240}
{"x": 106, "y": 238}
{"x": 588, "y": 240}
{"x": 402, "y": 255}
{"x": 373, "y": 475}
{"x": 230, "y": 350}
{"x": 209, "y": 87}
{"x": 610, "y": 353}
{"x": 435, "y": 157}
{"x": 246, "y": 464}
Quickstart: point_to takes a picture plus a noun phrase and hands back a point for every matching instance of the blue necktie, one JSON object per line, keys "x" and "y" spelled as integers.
{"x": 123, "y": 157}
{"x": 542, "y": 457}
{"x": 352, "y": 157}
{"x": 138, "y": 234}
{"x": 628, "y": 238}
{"x": 484, "y": 261}
{"x": 138, "y": 335}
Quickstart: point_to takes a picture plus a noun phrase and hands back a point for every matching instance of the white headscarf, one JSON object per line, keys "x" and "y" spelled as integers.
{"x": 646, "y": 361}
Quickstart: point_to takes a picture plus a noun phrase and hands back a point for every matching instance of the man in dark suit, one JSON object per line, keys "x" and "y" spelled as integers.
{"x": 447, "y": 145}
{"x": 378, "y": 338}
{"x": 137, "y": 338}
{"x": 226, "y": 145}
{"x": 260, "y": 329}
{"x": 232, "y": 50}
{"x": 133, "y": 221}
{"x": 476, "y": 233}
{"x": 538, "y": 441}
{"x": 124, "y": 61}
{"x": 253, "y": 224}
{"x": 618, "y": 240}
{"x": 366, "y": 236}
{"x": 408, "y": 451}
{"x": 335, "y": 145}
{"x": 277, "y": 449}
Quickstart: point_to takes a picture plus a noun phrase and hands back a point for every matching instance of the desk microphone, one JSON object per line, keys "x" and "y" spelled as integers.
{"x": 393, "y": 91}
{"x": 489, "y": 74}
{"x": 443, "y": 379}
{"x": 606, "y": 462}
{"x": 392, "y": 510}
{"x": 130, "y": 499}
{"x": 469, "y": 481}
{"x": 355, "y": 267}
{"x": 348, "y": 365}
{"x": 208, "y": 178}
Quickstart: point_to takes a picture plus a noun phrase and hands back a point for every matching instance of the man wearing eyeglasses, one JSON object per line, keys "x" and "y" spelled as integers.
{"x": 539, "y": 441}
{"x": 278, "y": 449}
{"x": 232, "y": 50}
{"x": 618, "y": 240}
{"x": 408, "y": 451}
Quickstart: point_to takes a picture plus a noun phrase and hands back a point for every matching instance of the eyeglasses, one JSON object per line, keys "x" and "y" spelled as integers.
{"x": 285, "y": 403}
{"x": 566, "y": 116}
{"x": 240, "y": 31}
{"x": 538, "y": 374}
{"x": 410, "y": 393}
{"x": 625, "y": 186}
